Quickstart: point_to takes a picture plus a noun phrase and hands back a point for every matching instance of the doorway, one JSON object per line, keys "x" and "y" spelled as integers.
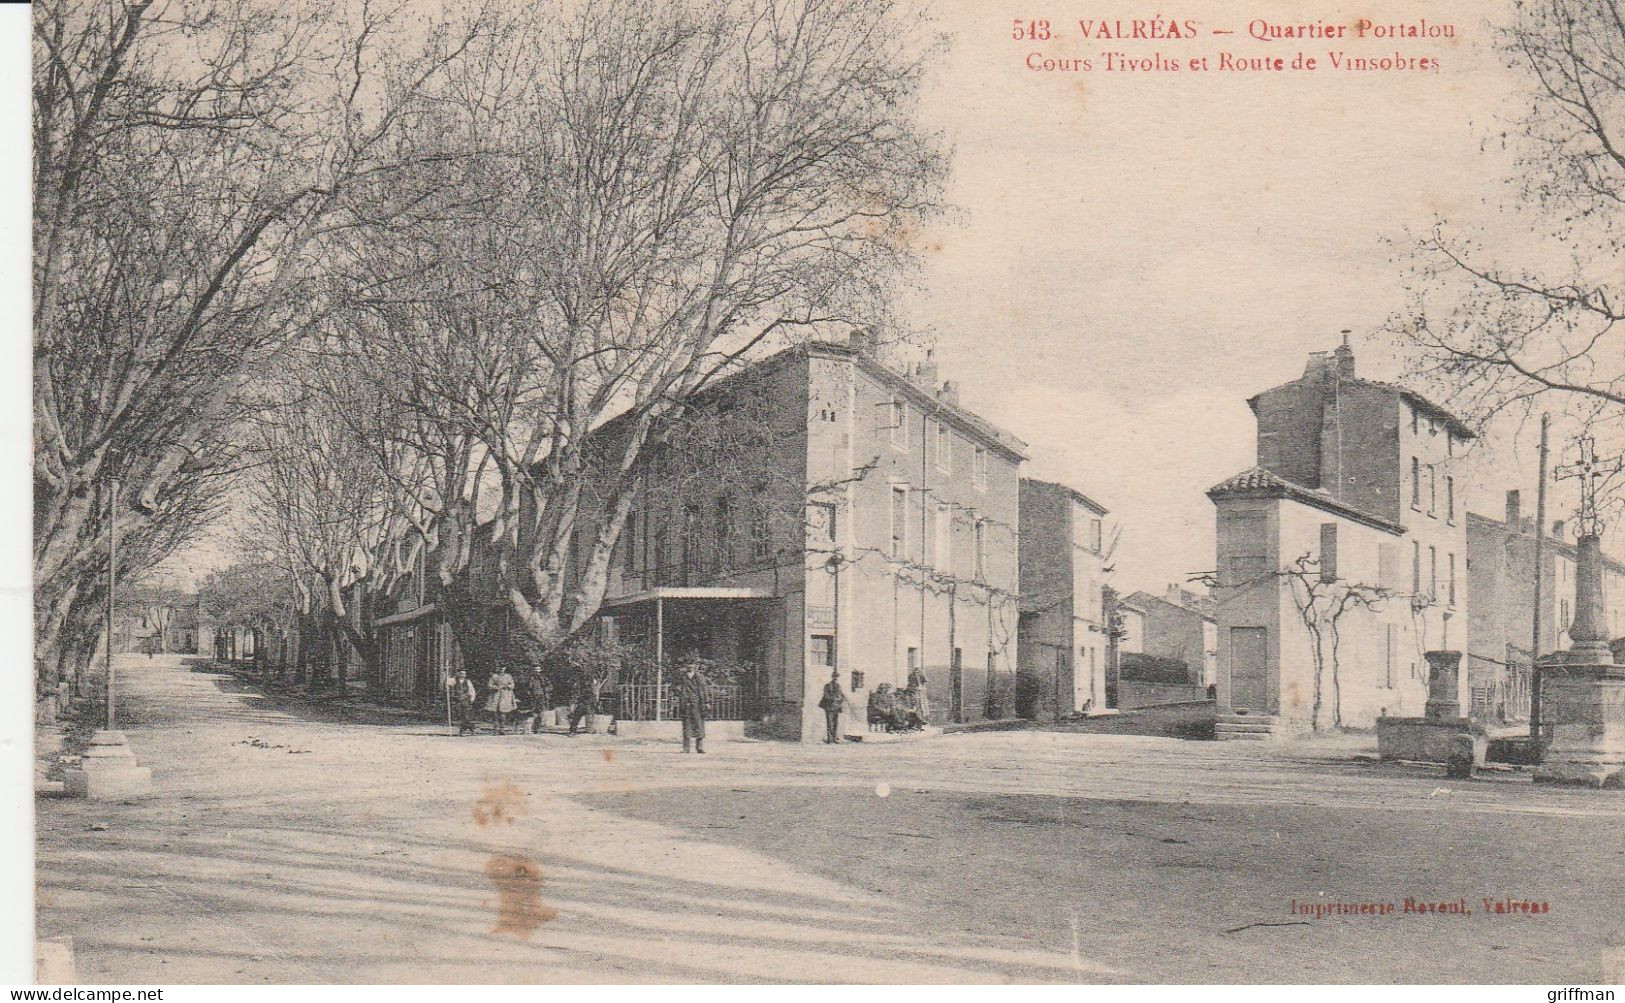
{"x": 1249, "y": 662}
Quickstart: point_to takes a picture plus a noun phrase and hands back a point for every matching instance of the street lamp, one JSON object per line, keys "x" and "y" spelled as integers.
{"x": 107, "y": 768}
{"x": 112, "y": 590}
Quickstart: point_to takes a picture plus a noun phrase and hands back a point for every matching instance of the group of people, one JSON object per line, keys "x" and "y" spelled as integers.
{"x": 532, "y": 695}
{"x": 507, "y": 699}
{"x": 906, "y": 708}
{"x": 503, "y": 695}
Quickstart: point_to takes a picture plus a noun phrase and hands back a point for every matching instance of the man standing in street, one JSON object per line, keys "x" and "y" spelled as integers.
{"x": 691, "y": 707}
{"x": 461, "y": 689}
{"x": 916, "y": 684}
{"x": 586, "y": 701}
{"x": 831, "y": 702}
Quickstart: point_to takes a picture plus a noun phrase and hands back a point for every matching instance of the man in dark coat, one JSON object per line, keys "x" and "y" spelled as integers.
{"x": 831, "y": 702}
{"x": 586, "y": 699}
{"x": 691, "y": 707}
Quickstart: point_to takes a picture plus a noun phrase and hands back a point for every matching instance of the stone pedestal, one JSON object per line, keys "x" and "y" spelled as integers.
{"x": 1441, "y": 734}
{"x": 1584, "y": 716}
{"x": 107, "y": 769}
{"x": 1582, "y": 694}
{"x": 1444, "y": 678}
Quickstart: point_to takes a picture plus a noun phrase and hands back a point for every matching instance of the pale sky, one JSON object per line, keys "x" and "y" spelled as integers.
{"x": 1136, "y": 256}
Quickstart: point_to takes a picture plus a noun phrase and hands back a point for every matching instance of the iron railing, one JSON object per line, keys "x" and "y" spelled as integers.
{"x": 649, "y": 702}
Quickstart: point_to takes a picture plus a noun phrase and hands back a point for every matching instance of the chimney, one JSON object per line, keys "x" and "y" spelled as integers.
{"x": 860, "y": 340}
{"x": 1174, "y": 595}
{"x": 927, "y": 370}
{"x": 1345, "y": 358}
{"x": 949, "y": 394}
{"x": 1514, "y": 510}
{"x": 1557, "y": 529}
{"x": 1317, "y": 367}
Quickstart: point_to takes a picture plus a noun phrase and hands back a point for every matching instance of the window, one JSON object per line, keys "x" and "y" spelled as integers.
{"x": 1450, "y": 500}
{"x": 1415, "y": 422}
{"x": 1245, "y": 570}
{"x": 1433, "y": 573}
{"x": 1094, "y": 535}
{"x": 1563, "y": 614}
{"x": 722, "y": 555}
{"x": 1416, "y": 483}
{"x": 945, "y": 538}
{"x": 691, "y": 537}
{"x": 979, "y": 469}
{"x": 1433, "y": 492}
{"x": 899, "y": 522}
{"x": 821, "y": 650}
{"x": 1450, "y": 563}
{"x": 981, "y": 549}
{"x": 1328, "y": 551}
{"x": 945, "y": 448}
{"x": 631, "y": 542}
{"x": 898, "y": 415}
{"x": 1416, "y": 567}
{"x": 658, "y": 548}
{"x": 1388, "y": 566}
{"x": 761, "y": 534}
{"x": 1450, "y": 444}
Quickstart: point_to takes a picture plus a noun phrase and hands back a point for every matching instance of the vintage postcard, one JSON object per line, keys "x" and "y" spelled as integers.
{"x": 828, "y": 491}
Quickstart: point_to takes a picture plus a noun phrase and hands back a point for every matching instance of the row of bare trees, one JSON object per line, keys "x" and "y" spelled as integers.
{"x": 377, "y": 277}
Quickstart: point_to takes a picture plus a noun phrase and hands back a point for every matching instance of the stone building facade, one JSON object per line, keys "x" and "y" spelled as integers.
{"x": 1062, "y": 638}
{"x": 1341, "y": 557}
{"x": 1179, "y": 625}
{"x": 1500, "y": 631}
{"x": 818, "y": 512}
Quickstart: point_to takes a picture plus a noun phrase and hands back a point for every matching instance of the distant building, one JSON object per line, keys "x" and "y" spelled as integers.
{"x": 1132, "y": 617}
{"x": 1179, "y": 626}
{"x": 1063, "y": 642}
{"x": 1349, "y": 530}
{"x": 156, "y": 621}
{"x": 1500, "y": 631}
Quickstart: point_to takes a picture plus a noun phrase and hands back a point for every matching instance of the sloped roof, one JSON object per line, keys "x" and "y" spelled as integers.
{"x": 1411, "y": 397}
{"x": 1072, "y": 492}
{"x": 1191, "y": 602}
{"x": 1256, "y": 482}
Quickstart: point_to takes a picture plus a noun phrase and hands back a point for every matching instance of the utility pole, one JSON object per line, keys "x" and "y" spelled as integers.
{"x": 112, "y": 587}
{"x": 1540, "y": 565}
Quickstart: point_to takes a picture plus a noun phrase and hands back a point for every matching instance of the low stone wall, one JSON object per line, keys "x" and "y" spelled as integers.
{"x": 1422, "y": 740}
{"x": 1133, "y": 693}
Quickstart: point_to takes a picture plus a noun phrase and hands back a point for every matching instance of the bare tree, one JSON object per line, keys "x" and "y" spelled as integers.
{"x": 185, "y": 155}
{"x": 613, "y": 207}
{"x": 1495, "y": 333}
{"x": 323, "y": 510}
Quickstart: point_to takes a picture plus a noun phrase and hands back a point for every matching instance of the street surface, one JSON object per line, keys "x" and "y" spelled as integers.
{"x": 289, "y": 845}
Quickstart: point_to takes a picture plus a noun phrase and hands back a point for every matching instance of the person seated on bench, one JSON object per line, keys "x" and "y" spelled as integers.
{"x": 882, "y": 706}
{"x": 906, "y": 711}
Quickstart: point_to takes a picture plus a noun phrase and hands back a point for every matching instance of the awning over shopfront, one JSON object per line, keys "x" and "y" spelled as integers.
{"x": 653, "y": 601}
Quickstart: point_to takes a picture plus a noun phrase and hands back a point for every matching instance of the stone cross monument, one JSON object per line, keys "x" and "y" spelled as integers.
{"x": 1583, "y": 692}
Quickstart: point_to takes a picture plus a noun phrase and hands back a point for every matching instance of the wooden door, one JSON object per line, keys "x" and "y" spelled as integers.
{"x": 1249, "y": 664}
